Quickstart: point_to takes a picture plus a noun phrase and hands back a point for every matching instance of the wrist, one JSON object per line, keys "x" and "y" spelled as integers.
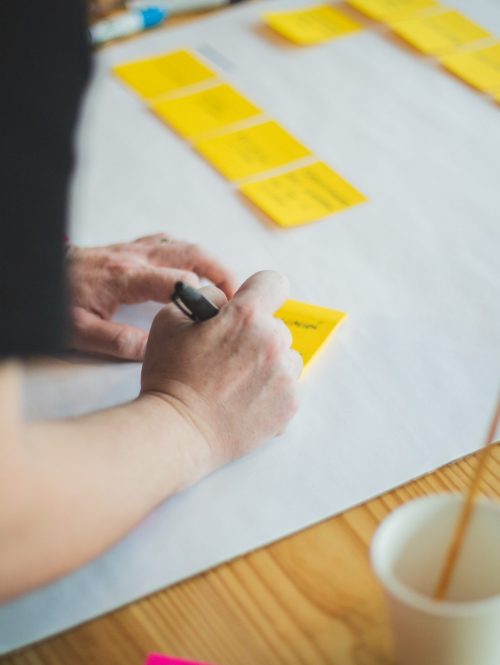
{"x": 187, "y": 442}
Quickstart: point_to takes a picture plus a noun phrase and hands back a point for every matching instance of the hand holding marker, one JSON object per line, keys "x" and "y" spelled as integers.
{"x": 141, "y": 15}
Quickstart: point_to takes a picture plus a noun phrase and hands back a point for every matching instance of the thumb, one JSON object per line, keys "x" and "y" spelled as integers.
{"x": 95, "y": 335}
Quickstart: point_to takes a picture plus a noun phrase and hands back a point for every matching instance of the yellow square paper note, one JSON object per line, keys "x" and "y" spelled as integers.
{"x": 252, "y": 150}
{"x": 302, "y": 195}
{"x": 385, "y": 10}
{"x": 480, "y": 68}
{"x": 310, "y": 325}
{"x": 156, "y": 76}
{"x": 206, "y": 111}
{"x": 312, "y": 25}
{"x": 440, "y": 33}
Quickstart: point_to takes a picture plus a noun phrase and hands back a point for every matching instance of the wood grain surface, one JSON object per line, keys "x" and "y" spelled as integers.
{"x": 310, "y": 599}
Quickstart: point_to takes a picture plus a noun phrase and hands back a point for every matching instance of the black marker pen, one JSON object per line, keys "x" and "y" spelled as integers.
{"x": 193, "y": 303}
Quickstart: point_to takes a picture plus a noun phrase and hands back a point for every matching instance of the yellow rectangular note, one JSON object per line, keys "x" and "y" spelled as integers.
{"x": 386, "y": 10}
{"x": 252, "y": 150}
{"x": 311, "y": 25}
{"x": 203, "y": 112}
{"x": 480, "y": 68}
{"x": 310, "y": 325}
{"x": 166, "y": 73}
{"x": 440, "y": 33}
{"x": 302, "y": 195}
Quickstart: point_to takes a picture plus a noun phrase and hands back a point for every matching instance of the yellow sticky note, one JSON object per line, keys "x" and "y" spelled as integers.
{"x": 312, "y": 25}
{"x": 206, "y": 111}
{"x": 440, "y": 33}
{"x": 302, "y": 195}
{"x": 310, "y": 325}
{"x": 252, "y": 150}
{"x": 480, "y": 68}
{"x": 385, "y": 10}
{"x": 496, "y": 96}
{"x": 156, "y": 76}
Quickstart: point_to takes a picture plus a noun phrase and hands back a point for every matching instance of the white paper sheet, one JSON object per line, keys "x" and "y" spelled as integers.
{"x": 409, "y": 380}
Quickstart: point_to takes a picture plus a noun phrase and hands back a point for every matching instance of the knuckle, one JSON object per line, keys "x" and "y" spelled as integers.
{"x": 117, "y": 269}
{"x": 273, "y": 350}
{"x": 122, "y": 342}
{"x": 245, "y": 313}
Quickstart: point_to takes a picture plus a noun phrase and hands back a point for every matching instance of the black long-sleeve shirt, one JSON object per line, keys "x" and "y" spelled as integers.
{"x": 44, "y": 64}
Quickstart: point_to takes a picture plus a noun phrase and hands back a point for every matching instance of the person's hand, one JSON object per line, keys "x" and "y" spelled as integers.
{"x": 103, "y": 278}
{"x": 234, "y": 377}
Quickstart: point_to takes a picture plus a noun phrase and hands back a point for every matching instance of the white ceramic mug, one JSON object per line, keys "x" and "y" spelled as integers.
{"x": 408, "y": 553}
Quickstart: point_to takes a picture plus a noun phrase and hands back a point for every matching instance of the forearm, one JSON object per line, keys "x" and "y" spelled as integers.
{"x": 78, "y": 486}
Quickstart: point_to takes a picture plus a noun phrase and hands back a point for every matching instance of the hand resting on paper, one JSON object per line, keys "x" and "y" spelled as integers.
{"x": 103, "y": 278}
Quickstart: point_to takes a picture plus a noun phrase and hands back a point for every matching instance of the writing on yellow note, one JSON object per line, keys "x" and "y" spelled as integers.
{"x": 480, "y": 68}
{"x": 311, "y": 25}
{"x": 252, "y": 150}
{"x": 385, "y": 10}
{"x": 440, "y": 33}
{"x": 310, "y": 325}
{"x": 206, "y": 111}
{"x": 302, "y": 195}
{"x": 165, "y": 73}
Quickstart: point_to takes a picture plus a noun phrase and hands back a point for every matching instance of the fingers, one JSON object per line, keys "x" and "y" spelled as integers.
{"x": 283, "y": 332}
{"x": 190, "y": 257}
{"x": 205, "y": 265}
{"x": 154, "y": 284}
{"x": 95, "y": 335}
{"x": 263, "y": 292}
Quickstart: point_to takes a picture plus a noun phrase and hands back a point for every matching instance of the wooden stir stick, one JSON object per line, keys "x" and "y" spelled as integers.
{"x": 468, "y": 509}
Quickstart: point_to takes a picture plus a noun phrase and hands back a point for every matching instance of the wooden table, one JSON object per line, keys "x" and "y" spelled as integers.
{"x": 310, "y": 599}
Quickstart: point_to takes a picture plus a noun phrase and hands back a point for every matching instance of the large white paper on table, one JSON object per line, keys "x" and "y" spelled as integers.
{"x": 407, "y": 383}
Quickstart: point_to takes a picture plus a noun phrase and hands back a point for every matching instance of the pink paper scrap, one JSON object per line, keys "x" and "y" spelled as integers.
{"x": 159, "y": 659}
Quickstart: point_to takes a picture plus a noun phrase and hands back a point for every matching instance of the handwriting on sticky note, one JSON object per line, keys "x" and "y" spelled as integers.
{"x": 480, "y": 68}
{"x": 203, "y": 112}
{"x": 384, "y": 10}
{"x": 311, "y": 25}
{"x": 157, "y": 76}
{"x": 252, "y": 150}
{"x": 440, "y": 33}
{"x": 311, "y": 326}
{"x": 302, "y": 195}
{"x": 159, "y": 659}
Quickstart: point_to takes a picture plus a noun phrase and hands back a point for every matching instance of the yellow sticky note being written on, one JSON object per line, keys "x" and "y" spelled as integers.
{"x": 311, "y": 25}
{"x": 166, "y": 73}
{"x": 385, "y": 10}
{"x": 310, "y": 325}
{"x": 440, "y": 33}
{"x": 206, "y": 111}
{"x": 480, "y": 68}
{"x": 302, "y": 195}
{"x": 252, "y": 150}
